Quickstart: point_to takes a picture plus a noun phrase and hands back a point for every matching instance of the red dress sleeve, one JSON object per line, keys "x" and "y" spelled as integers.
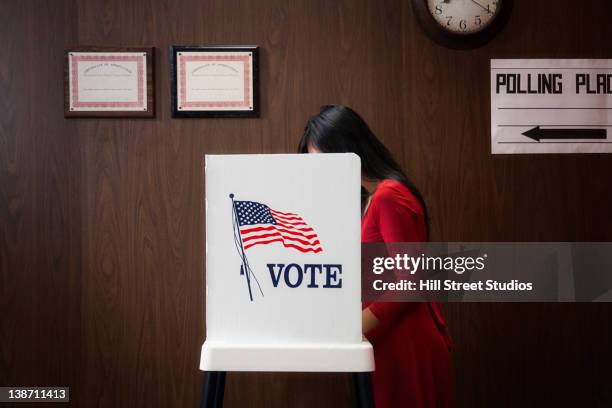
{"x": 398, "y": 218}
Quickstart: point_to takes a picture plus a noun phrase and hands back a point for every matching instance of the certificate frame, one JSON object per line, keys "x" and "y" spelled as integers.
{"x": 246, "y": 105}
{"x": 143, "y": 107}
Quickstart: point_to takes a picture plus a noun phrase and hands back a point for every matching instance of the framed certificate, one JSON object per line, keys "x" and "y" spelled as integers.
{"x": 109, "y": 82}
{"x": 214, "y": 81}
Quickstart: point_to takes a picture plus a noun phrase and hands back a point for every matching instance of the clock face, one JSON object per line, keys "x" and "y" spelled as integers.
{"x": 463, "y": 16}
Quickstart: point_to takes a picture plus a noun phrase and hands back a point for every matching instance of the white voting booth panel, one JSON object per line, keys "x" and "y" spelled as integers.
{"x": 283, "y": 264}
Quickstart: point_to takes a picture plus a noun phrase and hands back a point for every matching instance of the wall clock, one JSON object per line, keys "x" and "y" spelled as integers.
{"x": 461, "y": 24}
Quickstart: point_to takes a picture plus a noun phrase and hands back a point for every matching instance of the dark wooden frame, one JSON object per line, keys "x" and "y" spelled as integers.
{"x": 174, "y": 50}
{"x": 460, "y": 41}
{"x": 149, "y": 113}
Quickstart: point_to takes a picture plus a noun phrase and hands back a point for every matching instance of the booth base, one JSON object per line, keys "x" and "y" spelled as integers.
{"x": 219, "y": 356}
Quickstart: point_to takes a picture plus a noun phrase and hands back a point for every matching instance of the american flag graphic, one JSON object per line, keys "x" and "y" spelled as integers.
{"x": 261, "y": 225}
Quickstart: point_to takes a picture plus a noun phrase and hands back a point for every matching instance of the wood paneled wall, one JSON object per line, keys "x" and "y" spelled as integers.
{"x": 101, "y": 240}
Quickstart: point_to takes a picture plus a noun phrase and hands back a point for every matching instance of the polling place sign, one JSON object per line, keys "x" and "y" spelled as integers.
{"x": 551, "y": 106}
{"x": 283, "y": 271}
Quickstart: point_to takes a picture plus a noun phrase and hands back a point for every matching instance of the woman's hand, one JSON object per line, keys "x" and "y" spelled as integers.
{"x": 368, "y": 320}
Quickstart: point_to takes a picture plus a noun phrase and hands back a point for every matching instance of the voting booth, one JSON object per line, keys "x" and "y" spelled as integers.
{"x": 283, "y": 266}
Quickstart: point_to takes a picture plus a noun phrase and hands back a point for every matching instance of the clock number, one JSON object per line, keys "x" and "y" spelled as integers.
{"x": 461, "y": 24}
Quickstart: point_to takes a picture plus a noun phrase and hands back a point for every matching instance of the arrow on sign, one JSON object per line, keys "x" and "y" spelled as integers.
{"x": 537, "y": 133}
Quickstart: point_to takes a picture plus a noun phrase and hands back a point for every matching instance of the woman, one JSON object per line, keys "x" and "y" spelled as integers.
{"x": 411, "y": 344}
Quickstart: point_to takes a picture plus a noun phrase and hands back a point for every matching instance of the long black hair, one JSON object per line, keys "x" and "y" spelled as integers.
{"x": 339, "y": 129}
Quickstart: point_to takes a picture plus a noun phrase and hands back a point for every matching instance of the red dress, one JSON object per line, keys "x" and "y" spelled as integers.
{"x": 411, "y": 344}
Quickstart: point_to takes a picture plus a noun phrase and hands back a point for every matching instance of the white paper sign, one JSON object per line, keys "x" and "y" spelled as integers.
{"x": 283, "y": 263}
{"x": 551, "y": 106}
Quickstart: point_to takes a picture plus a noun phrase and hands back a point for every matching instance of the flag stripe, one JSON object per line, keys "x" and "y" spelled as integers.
{"x": 282, "y": 213}
{"x": 279, "y": 234}
{"x": 299, "y": 248}
{"x": 245, "y": 231}
{"x": 291, "y": 223}
{"x": 288, "y": 218}
{"x": 308, "y": 229}
{"x": 291, "y": 220}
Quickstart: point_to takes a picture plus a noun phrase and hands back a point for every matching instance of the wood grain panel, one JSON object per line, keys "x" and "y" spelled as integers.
{"x": 514, "y": 355}
{"x": 17, "y": 199}
{"x": 39, "y": 203}
{"x": 101, "y": 245}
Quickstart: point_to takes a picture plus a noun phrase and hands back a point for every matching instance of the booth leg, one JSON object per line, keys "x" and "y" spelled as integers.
{"x": 219, "y": 389}
{"x": 213, "y": 389}
{"x": 362, "y": 390}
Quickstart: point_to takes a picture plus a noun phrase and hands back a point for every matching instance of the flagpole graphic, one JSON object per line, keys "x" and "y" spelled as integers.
{"x": 257, "y": 224}
{"x": 245, "y": 268}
